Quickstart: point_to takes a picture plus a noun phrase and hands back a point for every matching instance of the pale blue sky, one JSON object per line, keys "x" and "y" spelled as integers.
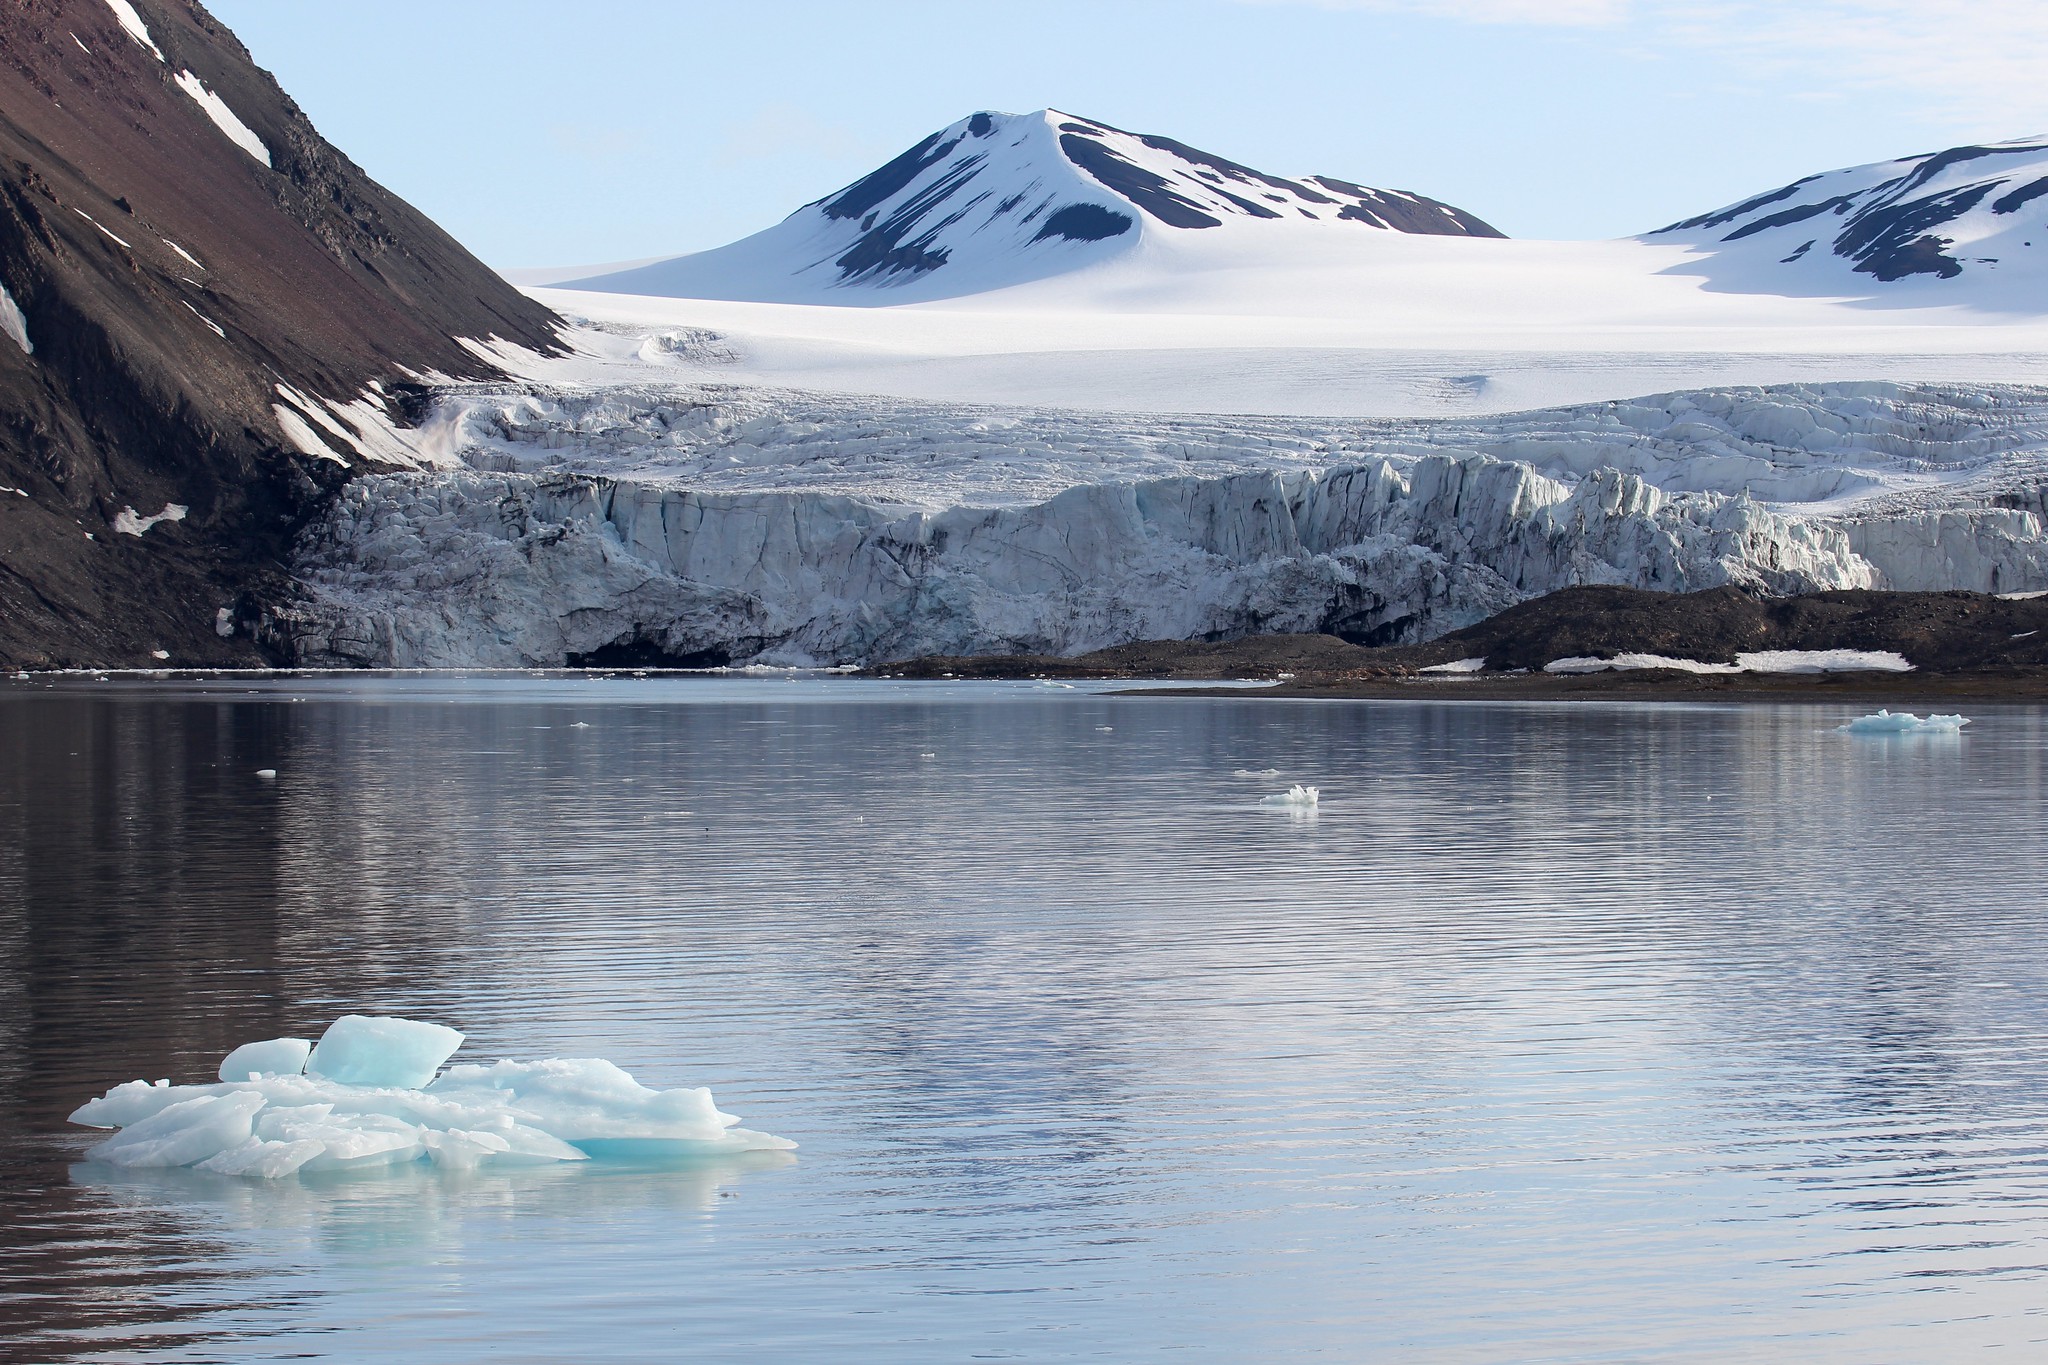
{"x": 543, "y": 133}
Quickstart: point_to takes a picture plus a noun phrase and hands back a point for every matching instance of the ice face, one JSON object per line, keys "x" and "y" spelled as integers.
{"x": 279, "y": 1122}
{"x": 361, "y": 1049}
{"x": 277, "y": 1057}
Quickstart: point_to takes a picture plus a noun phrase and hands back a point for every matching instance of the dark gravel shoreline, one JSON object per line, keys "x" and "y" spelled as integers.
{"x": 1963, "y": 645}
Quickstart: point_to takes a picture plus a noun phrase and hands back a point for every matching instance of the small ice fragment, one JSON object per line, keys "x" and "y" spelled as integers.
{"x": 463, "y": 1150}
{"x": 266, "y": 773}
{"x": 125, "y": 1105}
{"x": 1905, "y": 723}
{"x": 224, "y": 622}
{"x": 579, "y": 725}
{"x": 1296, "y": 795}
{"x": 1268, "y": 773}
{"x": 1105, "y": 729}
{"x": 361, "y": 1049}
{"x": 927, "y": 755}
{"x": 262, "y": 1157}
{"x": 185, "y": 1133}
{"x": 159, "y": 654}
{"x": 277, "y": 1057}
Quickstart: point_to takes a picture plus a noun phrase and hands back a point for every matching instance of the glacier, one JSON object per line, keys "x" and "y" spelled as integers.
{"x": 382, "y": 1099}
{"x": 704, "y": 524}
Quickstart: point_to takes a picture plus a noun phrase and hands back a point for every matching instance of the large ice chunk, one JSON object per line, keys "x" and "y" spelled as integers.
{"x": 1297, "y": 796}
{"x": 186, "y": 1133}
{"x": 274, "y": 1121}
{"x": 1905, "y": 723}
{"x": 362, "y": 1049}
{"x": 277, "y": 1057}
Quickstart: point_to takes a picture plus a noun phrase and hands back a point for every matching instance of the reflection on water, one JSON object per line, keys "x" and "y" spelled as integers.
{"x": 1553, "y": 1032}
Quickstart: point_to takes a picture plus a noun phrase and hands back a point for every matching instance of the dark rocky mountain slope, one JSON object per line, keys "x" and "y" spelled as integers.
{"x": 196, "y": 287}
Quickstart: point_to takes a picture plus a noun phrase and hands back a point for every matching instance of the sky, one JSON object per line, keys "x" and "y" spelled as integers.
{"x": 544, "y": 134}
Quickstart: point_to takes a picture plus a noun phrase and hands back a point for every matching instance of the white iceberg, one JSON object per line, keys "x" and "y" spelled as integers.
{"x": 1457, "y": 667}
{"x": 1297, "y": 796}
{"x": 1905, "y": 723}
{"x": 369, "y": 1097}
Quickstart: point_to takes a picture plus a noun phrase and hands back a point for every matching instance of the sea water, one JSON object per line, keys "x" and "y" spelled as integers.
{"x": 1549, "y": 1032}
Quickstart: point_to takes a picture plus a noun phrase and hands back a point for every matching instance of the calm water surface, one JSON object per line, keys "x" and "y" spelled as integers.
{"x": 1560, "y": 1033}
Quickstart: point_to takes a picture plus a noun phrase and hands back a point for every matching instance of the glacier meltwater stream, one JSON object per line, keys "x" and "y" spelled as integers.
{"x": 1571, "y": 1032}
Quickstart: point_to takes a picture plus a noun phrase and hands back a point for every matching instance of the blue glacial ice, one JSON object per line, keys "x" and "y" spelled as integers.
{"x": 276, "y": 1057}
{"x": 358, "y": 1049}
{"x": 369, "y": 1095}
{"x": 1905, "y": 723}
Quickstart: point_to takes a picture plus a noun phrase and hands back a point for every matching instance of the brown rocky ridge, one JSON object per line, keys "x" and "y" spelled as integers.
{"x": 168, "y": 282}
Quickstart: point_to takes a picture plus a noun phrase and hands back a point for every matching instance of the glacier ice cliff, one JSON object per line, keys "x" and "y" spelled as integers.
{"x": 708, "y": 524}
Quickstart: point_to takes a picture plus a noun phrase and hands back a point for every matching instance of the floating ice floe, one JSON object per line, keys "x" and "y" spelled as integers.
{"x": 369, "y": 1095}
{"x": 1757, "y": 661}
{"x": 1297, "y": 796}
{"x": 1905, "y": 723}
{"x": 1267, "y": 773}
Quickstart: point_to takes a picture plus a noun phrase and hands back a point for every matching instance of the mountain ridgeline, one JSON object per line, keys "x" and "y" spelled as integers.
{"x": 1968, "y": 213}
{"x": 210, "y": 320}
{"x": 1000, "y": 199}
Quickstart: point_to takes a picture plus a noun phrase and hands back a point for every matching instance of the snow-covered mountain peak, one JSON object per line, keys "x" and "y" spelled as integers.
{"x": 1969, "y": 212}
{"x": 1000, "y": 199}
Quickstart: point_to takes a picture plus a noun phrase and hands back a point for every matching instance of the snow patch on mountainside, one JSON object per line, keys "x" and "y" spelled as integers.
{"x": 13, "y": 324}
{"x": 224, "y": 118}
{"x": 125, "y": 14}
